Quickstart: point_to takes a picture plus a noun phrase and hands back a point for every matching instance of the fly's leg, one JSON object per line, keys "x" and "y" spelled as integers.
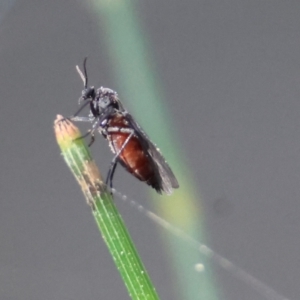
{"x": 81, "y": 108}
{"x": 110, "y": 174}
{"x": 82, "y": 119}
{"x": 114, "y": 162}
{"x": 92, "y": 138}
{"x": 96, "y": 125}
{"x": 89, "y": 132}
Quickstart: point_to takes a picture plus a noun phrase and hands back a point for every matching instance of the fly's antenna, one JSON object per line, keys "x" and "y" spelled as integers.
{"x": 83, "y": 75}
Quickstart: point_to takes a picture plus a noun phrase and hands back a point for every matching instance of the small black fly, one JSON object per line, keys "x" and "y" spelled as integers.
{"x": 130, "y": 144}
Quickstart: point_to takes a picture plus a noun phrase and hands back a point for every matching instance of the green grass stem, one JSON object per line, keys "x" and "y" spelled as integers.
{"x": 111, "y": 226}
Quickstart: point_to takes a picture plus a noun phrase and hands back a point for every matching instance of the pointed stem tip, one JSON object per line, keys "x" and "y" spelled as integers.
{"x": 65, "y": 131}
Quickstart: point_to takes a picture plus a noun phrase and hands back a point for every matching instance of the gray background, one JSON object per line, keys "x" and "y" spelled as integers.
{"x": 231, "y": 71}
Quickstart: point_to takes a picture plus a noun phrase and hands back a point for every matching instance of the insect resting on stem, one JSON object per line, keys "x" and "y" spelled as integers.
{"x": 131, "y": 146}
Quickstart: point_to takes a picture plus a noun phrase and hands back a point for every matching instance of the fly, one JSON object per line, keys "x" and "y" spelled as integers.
{"x": 131, "y": 146}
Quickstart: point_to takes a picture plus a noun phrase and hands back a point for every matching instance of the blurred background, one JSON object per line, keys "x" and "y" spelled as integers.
{"x": 227, "y": 73}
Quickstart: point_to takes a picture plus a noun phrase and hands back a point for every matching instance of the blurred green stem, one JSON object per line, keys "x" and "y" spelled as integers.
{"x": 133, "y": 68}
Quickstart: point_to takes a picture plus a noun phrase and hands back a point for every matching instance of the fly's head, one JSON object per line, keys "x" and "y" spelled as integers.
{"x": 103, "y": 102}
{"x": 88, "y": 93}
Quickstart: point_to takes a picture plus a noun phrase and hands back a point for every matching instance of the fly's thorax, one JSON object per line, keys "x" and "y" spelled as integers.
{"x": 108, "y": 98}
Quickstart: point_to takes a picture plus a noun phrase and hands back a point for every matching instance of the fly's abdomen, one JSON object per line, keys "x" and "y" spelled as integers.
{"x": 134, "y": 158}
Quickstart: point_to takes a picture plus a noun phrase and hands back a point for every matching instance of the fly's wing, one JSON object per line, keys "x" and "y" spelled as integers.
{"x": 166, "y": 175}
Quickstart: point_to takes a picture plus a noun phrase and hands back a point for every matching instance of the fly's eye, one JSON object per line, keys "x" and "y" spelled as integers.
{"x": 88, "y": 93}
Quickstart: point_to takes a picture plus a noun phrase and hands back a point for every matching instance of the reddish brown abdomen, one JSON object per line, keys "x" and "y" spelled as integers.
{"x": 133, "y": 157}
